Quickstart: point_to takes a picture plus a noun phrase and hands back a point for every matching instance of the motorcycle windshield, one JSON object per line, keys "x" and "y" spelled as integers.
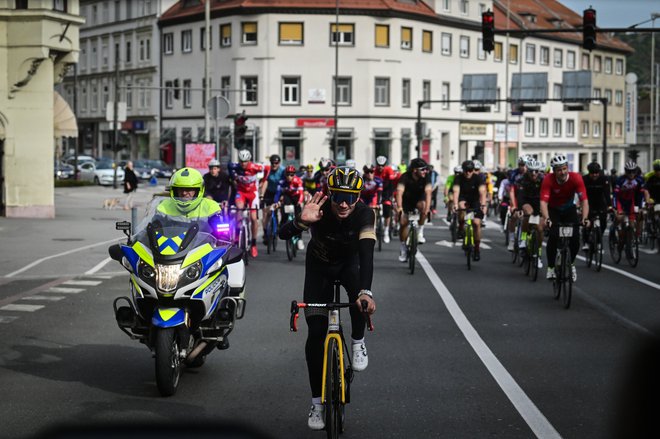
{"x": 171, "y": 237}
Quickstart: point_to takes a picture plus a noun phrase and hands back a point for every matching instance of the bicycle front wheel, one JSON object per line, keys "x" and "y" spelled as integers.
{"x": 598, "y": 250}
{"x": 380, "y": 228}
{"x": 333, "y": 404}
{"x": 632, "y": 247}
{"x": 556, "y": 282}
{"x": 613, "y": 242}
{"x": 567, "y": 280}
{"x": 412, "y": 249}
{"x": 534, "y": 257}
{"x": 468, "y": 245}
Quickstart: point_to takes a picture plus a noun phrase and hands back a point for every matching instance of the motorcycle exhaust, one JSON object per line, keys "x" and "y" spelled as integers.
{"x": 195, "y": 352}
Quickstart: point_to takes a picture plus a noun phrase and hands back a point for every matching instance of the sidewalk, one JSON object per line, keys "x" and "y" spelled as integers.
{"x": 80, "y": 221}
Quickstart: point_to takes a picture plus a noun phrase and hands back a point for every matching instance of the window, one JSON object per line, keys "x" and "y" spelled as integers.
{"x": 202, "y": 39}
{"x": 596, "y": 94}
{"x": 618, "y": 129}
{"x": 129, "y": 10}
{"x": 187, "y": 93}
{"x": 382, "y": 92}
{"x": 106, "y": 10}
{"x": 95, "y": 59}
{"x": 465, "y": 7}
{"x": 481, "y": 53}
{"x": 225, "y": 86}
{"x": 445, "y": 44}
{"x": 129, "y": 94}
{"x": 445, "y": 95}
{"x": 556, "y": 91}
{"x": 186, "y": 41}
{"x": 608, "y": 128}
{"x": 169, "y": 94}
{"x": 530, "y": 53}
{"x": 558, "y": 58}
{"x": 249, "y": 33}
{"x": 106, "y": 96}
{"x": 342, "y": 34}
{"x": 618, "y": 69}
{"x": 117, "y": 11}
{"x": 464, "y": 47}
{"x": 608, "y": 96}
{"x": 382, "y": 35}
{"x": 83, "y": 59}
{"x": 513, "y": 53}
{"x": 608, "y": 65}
{"x": 498, "y": 104}
{"x": 498, "y": 52}
{"x": 104, "y": 54}
{"x": 225, "y": 35}
{"x": 426, "y": 92}
{"x": 168, "y": 43}
{"x": 83, "y": 99}
{"x": 529, "y": 127}
{"x": 249, "y": 92}
{"x": 95, "y": 14}
{"x": 585, "y": 128}
{"x": 129, "y": 52}
{"x": 570, "y": 128}
{"x": 290, "y": 90}
{"x": 95, "y": 97}
{"x": 405, "y": 93}
{"x": 291, "y": 34}
{"x": 570, "y": 59}
{"x": 427, "y": 41}
{"x": 344, "y": 89}
{"x": 406, "y": 38}
{"x": 61, "y": 5}
{"x": 543, "y": 127}
{"x": 545, "y": 56}
{"x": 446, "y": 5}
{"x": 21, "y": 4}
{"x": 597, "y": 63}
{"x": 618, "y": 98}
{"x": 556, "y": 127}
{"x": 596, "y": 129}
{"x": 145, "y": 49}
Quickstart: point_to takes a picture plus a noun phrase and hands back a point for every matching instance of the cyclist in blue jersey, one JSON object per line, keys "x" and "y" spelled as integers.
{"x": 275, "y": 175}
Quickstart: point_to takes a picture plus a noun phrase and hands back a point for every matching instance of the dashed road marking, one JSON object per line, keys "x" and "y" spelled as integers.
{"x": 7, "y": 319}
{"x": 21, "y": 307}
{"x": 45, "y": 298}
{"x": 65, "y": 290}
{"x": 91, "y": 283}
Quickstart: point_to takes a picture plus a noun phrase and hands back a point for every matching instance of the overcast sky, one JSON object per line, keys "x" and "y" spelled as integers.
{"x": 618, "y": 13}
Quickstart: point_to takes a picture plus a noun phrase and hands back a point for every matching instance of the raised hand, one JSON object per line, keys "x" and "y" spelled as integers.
{"x": 312, "y": 212}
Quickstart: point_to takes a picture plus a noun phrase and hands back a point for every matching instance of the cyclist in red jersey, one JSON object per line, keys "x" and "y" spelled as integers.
{"x": 247, "y": 176}
{"x": 373, "y": 187}
{"x": 388, "y": 176}
{"x": 558, "y": 193}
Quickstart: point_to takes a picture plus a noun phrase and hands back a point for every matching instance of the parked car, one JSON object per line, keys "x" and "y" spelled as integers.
{"x": 63, "y": 171}
{"x": 100, "y": 173}
{"x": 81, "y": 159}
{"x": 143, "y": 169}
{"x": 163, "y": 170}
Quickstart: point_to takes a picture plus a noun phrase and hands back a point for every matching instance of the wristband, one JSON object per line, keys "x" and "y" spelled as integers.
{"x": 365, "y": 293}
{"x": 300, "y": 225}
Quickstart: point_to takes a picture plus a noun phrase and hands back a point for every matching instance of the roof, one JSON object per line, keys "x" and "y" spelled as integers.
{"x": 550, "y": 14}
{"x": 189, "y": 8}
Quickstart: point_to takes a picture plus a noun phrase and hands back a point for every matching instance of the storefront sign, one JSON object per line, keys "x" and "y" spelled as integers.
{"x": 315, "y": 123}
{"x": 473, "y": 129}
{"x": 198, "y": 155}
{"x": 501, "y": 134}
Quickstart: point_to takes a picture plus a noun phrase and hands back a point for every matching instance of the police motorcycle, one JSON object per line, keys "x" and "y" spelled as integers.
{"x": 187, "y": 289}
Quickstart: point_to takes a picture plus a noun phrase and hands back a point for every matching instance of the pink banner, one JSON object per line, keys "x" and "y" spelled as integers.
{"x": 198, "y": 155}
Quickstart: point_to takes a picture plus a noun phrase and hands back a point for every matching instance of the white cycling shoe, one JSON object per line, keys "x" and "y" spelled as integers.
{"x": 360, "y": 358}
{"x": 301, "y": 245}
{"x": 403, "y": 254}
{"x": 316, "y": 419}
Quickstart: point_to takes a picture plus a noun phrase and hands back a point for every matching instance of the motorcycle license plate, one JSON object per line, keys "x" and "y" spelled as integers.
{"x": 534, "y": 219}
{"x": 289, "y": 208}
{"x": 566, "y": 232}
{"x": 413, "y": 217}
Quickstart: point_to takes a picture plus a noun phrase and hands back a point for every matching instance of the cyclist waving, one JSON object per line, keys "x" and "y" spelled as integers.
{"x": 342, "y": 248}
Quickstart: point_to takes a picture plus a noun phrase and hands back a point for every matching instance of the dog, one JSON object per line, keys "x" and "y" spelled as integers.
{"x": 110, "y": 203}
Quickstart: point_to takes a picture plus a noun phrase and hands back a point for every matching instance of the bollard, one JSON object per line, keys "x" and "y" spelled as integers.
{"x": 133, "y": 219}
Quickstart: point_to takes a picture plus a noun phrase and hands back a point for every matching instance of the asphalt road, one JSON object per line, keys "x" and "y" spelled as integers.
{"x": 484, "y": 353}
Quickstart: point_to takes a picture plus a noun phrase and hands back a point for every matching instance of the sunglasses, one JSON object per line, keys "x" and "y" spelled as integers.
{"x": 369, "y": 171}
{"x": 341, "y": 197}
{"x": 290, "y": 174}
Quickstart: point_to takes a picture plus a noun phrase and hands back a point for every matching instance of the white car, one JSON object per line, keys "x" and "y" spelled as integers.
{"x": 101, "y": 173}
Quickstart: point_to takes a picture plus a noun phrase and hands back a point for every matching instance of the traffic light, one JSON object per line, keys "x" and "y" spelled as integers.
{"x": 589, "y": 29}
{"x": 488, "y": 31}
{"x": 240, "y": 128}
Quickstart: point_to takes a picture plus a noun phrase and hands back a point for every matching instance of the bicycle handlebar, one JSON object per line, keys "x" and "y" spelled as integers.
{"x": 295, "y": 307}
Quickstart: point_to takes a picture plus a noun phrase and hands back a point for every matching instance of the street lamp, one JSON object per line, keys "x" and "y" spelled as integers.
{"x": 654, "y": 98}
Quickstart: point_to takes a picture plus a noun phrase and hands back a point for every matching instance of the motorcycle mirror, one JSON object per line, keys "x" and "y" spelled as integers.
{"x": 125, "y": 226}
{"x": 233, "y": 255}
{"x": 115, "y": 252}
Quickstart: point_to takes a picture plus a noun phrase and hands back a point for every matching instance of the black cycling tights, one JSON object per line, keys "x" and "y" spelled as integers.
{"x": 568, "y": 216}
{"x": 319, "y": 288}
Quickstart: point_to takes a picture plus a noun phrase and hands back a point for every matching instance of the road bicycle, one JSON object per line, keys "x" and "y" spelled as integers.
{"x": 532, "y": 250}
{"x": 243, "y": 232}
{"x": 562, "y": 284}
{"x": 337, "y": 367}
{"x": 516, "y": 244}
{"x": 651, "y": 230}
{"x": 380, "y": 226}
{"x": 453, "y": 227}
{"x": 623, "y": 239}
{"x": 595, "y": 250}
{"x": 468, "y": 236}
{"x": 411, "y": 242}
{"x": 270, "y": 234}
{"x": 291, "y": 243}
{"x": 505, "y": 227}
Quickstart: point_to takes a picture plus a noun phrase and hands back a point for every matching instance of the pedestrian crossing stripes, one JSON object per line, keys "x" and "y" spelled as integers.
{"x": 44, "y": 298}
{"x": 21, "y": 307}
{"x": 65, "y": 290}
{"x": 91, "y": 283}
{"x": 7, "y": 319}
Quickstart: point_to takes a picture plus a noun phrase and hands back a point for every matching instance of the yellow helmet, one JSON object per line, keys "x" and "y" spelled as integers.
{"x": 344, "y": 179}
{"x": 187, "y": 178}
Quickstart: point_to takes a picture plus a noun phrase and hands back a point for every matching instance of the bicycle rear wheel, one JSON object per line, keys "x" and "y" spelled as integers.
{"x": 534, "y": 256}
{"x": 468, "y": 240}
{"x": 591, "y": 251}
{"x": 613, "y": 242}
{"x": 333, "y": 404}
{"x": 380, "y": 228}
{"x": 453, "y": 228}
{"x": 567, "y": 280}
{"x": 412, "y": 248}
{"x": 516, "y": 246}
{"x": 598, "y": 250}
{"x": 556, "y": 282}
{"x": 632, "y": 247}
{"x": 244, "y": 244}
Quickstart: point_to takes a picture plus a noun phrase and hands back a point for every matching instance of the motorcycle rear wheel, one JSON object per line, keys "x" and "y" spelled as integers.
{"x": 168, "y": 363}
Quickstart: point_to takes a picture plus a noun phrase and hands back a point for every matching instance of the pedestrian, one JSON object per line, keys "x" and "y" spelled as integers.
{"x": 130, "y": 185}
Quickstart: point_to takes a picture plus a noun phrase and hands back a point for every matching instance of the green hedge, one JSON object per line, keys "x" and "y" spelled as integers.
{"x": 72, "y": 183}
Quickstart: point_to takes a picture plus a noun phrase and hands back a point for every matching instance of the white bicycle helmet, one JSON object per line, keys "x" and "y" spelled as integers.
{"x": 477, "y": 164}
{"x": 534, "y": 165}
{"x": 381, "y": 160}
{"x": 458, "y": 169}
{"x": 522, "y": 160}
{"x": 244, "y": 155}
{"x": 214, "y": 163}
{"x": 558, "y": 160}
{"x": 630, "y": 166}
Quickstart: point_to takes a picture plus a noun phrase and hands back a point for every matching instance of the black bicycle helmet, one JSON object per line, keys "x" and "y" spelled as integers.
{"x": 275, "y": 158}
{"x": 417, "y": 163}
{"x": 344, "y": 179}
{"x": 467, "y": 165}
{"x": 593, "y": 168}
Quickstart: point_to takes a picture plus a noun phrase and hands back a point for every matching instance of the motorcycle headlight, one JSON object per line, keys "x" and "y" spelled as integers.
{"x": 146, "y": 271}
{"x": 193, "y": 272}
{"x": 167, "y": 277}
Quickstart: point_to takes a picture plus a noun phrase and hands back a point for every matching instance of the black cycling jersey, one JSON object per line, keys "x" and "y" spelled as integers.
{"x": 469, "y": 188}
{"x": 414, "y": 190}
{"x": 653, "y": 186}
{"x": 217, "y": 187}
{"x": 528, "y": 191}
{"x": 598, "y": 192}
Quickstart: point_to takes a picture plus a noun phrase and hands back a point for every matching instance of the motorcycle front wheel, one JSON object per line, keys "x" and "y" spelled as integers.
{"x": 168, "y": 363}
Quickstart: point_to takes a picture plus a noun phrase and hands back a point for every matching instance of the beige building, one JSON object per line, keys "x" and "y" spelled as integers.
{"x": 38, "y": 41}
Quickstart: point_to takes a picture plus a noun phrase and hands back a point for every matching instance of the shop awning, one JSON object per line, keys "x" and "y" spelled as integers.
{"x": 64, "y": 121}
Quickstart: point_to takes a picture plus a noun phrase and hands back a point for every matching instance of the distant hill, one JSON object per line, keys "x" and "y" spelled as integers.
{"x": 640, "y": 61}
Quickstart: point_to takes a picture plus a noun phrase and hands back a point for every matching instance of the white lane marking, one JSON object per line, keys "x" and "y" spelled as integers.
{"x": 648, "y": 251}
{"x": 486, "y": 246}
{"x": 90, "y": 283}
{"x": 7, "y": 319}
{"x": 21, "y": 307}
{"x": 527, "y": 409}
{"x": 100, "y": 276}
{"x": 46, "y": 298}
{"x": 65, "y": 290}
{"x": 98, "y": 266}
{"x": 39, "y": 261}
{"x": 445, "y": 243}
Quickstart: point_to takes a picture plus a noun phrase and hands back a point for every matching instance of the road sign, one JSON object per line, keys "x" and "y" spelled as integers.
{"x": 217, "y": 107}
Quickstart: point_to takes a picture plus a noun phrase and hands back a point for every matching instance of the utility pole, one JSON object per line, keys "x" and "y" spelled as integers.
{"x": 653, "y": 98}
{"x": 335, "y": 137}
{"x": 75, "y": 111}
{"x": 115, "y": 127}
{"x": 207, "y": 68}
